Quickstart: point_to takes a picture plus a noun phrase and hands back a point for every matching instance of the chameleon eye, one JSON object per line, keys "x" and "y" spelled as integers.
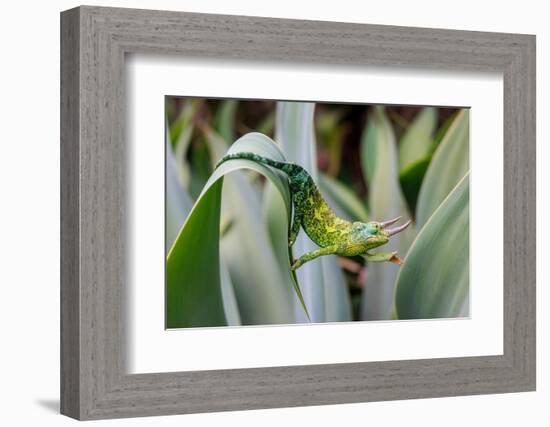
{"x": 373, "y": 227}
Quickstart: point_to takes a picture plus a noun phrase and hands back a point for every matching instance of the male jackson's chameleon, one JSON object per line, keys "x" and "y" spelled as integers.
{"x": 333, "y": 234}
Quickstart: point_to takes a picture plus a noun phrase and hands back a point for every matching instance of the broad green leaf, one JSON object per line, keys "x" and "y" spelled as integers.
{"x": 178, "y": 206}
{"x": 342, "y": 199}
{"x": 434, "y": 279}
{"x": 449, "y": 164}
{"x": 411, "y": 179}
{"x": 194, "y": 288}
{"x": 322, "y": 282}
{"x": 258, "y": 277}
{"x": 200, "y": 166}
{"x": 416, "y": 143}
{"x": 295, "y": 133}
{"x": 380, "y": 165}
{"x": 444, "y": 128}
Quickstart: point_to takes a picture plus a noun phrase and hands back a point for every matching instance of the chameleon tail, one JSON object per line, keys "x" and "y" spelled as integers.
{"x": 285, "y": 167}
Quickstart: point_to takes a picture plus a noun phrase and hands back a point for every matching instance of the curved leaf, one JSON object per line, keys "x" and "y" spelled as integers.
{"x": 180, "y": 133}
{"x": 295, "y": 132}
{"x": 178, "y": 201}
{"x": 194, "y": 295}
{"x": 193, "y": 289}
{"x": 434, "y": 278}
{"x": 184, "y": 121}
{"x": 416, "y": 143}
{"x": 442, "y": 131}
{"x": 251, "y": 260}
{"x": 231, "y": 309}
{"x": 411, "y": 179}
{"x": 380, "y": 164}
{"x": 449, "y": 164}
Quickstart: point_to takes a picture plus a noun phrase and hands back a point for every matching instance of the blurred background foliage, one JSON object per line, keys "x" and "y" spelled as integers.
{"x": 371, "y": 163}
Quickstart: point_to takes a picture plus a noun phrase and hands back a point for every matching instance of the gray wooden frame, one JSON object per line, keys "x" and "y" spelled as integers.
{"x": 94, "y": 41}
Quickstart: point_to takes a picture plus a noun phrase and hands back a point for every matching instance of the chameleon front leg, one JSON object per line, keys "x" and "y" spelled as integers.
{"x": 314, "y": 254}
{"x": 383, "y": 256}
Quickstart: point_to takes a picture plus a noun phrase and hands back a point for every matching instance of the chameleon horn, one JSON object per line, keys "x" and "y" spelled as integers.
{"x": 390, "y": 222}
{"x": 396, "y": 230}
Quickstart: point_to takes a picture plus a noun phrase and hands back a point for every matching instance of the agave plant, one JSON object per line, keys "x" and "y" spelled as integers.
{"x": 229, "y": 261}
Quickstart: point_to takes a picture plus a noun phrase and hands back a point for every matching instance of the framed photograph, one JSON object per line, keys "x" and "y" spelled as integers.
{"x": 261, "y": 213}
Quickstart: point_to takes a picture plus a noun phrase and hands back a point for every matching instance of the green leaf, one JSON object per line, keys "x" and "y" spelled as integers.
{"x": 231, "y": 309}
{"x": 444, "y": 128}
{"x": 322, "y": 281}
{"x": 380, "y": 164}
{"x": 277, "y": 223}
{"x": 336, "y": 293}
{"x": 417, "y": 141}
{"x": 244, "y": 203}
{"x": 178, "y": 201}
{"x": 415, "y": 154}
{"x": 194, "y": 288}
{"x": 434, "y": 279}
{"x": 449, "y": 164}
{"x": 295, "y": 134}
{"x": 411, "y": 180}
{"x": 200, "y": 167}
{"x": 342, "y": 199}
{"x": 181, "y": 147}
{"x": 183, "y": 121}
{"x": 224, "y": 121}
{"x": 180, "y": 133}
{"x": 259, "y": 279}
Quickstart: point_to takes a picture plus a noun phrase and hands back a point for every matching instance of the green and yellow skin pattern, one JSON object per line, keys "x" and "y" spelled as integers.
{"x": 311, "y": 212}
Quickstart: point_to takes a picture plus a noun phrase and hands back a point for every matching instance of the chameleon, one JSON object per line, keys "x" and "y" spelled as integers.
{"x": 333, "y": 235}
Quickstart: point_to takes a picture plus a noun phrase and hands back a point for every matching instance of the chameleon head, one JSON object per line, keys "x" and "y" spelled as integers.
{"x": 377, "y": 233}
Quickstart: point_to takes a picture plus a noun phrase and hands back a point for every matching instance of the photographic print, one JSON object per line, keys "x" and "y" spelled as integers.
{"x": 288, "y": 212}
